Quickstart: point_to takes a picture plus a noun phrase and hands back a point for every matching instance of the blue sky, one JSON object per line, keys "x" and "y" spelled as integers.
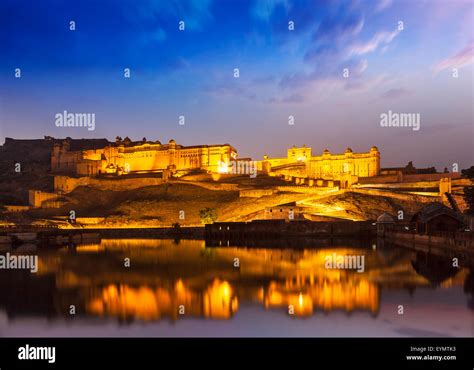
{"x": 282, "y": 73}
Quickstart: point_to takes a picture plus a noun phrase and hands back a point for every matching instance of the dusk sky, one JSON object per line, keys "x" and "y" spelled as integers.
{"x": 282, "y": 72}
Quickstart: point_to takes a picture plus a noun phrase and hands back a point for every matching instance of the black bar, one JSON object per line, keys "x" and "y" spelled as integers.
{"x": 314, "y": 353}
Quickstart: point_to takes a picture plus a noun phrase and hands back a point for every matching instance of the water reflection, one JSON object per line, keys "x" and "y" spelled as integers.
{"x": 434, "y": 268}
{"x": 169, "y": 280}
{"x": 217, "y": 301}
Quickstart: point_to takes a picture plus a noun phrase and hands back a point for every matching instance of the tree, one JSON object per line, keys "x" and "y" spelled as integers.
{"x": 469, "y": 198}
{"x": 208, "y": 215}
{"x": 469, "y": 190}
{"x": 468, "y": 172}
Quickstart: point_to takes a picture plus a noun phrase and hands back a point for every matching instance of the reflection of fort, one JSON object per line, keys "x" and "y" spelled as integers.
{"x": 147, "y": 303}
{"x": 327, "y": 296}
{"x": 275, "y": 278}
{"x": 219, "y": 299}
{"x": 168, "y": 279}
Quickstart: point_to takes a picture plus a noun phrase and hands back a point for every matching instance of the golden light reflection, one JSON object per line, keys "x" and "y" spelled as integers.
{"x": 300, "y": 304}
{"x": 89, "y": 248}
{"x": 124, "y": 301}
{"x": 166, "y": 276}
{"x": 219, "y": 302}
{"x": 344, "y": 295}
{"x": 146, "y": 303}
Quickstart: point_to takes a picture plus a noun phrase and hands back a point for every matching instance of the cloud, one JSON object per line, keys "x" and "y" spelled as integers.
{"x": 367, "y": 83}
{"x": 296, "y": 80}
{"x": 325, "y": 55}
{"x": 154, "y": 22}
{"x": 264, "y": 80}
{"x": 328, "y": 71}
{"x": 273, "y": 17}
{"x": 462, "y": 58}
{"x": 335, "y": 45}
{"x": 355, "y": 85}
{"x": 230, "y": 89}
{"x": 382, "y": 5}
{"x": 395, "y": 93}
{"x": 263, "y": 9}
{"x": 380, "y": 38}
{"x": 196, "y": 13}
{"x": 321, "y": 53}
{"x": 294, "y": 98}
{"x": 336, "y": 29}
{"x": 290, "y": 99}
{"x": 247, "y": 90}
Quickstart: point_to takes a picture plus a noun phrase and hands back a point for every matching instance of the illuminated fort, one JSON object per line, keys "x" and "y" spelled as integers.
{"x": 326, "y": 166}
{"x": 126, "y": 156}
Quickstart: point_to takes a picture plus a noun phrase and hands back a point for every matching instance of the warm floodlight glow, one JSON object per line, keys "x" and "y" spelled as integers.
{"x": 223, "y": 167}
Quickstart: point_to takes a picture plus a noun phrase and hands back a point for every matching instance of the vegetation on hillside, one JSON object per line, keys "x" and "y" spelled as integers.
{"x": 469, "y": 190}
{"x": 208, "y": 215}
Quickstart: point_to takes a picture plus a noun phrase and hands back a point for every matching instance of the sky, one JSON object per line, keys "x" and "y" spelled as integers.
{"x": 334, "y": 66}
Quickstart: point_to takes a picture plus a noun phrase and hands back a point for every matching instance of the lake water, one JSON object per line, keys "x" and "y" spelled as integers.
{"x": 143, "y": 288}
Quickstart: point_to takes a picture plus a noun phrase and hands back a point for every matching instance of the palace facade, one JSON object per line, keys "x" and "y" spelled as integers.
{"x": 326, "y": 166}
{"x": 334, "y": 166}
{"x": 126, "y": 156}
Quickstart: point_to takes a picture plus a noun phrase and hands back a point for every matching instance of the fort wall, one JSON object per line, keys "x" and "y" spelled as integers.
{"x": 269, "y": 228}
{"x": 218, "y": 186}
{"x": 306, "y": 189}
{"x": 67, "y": 184}
{"x": 16, "y": 208}
{"x": 256, "y": 193}
{"x": 37, "y": 197}
{"x": 397, "y": 195}
{"x": 384, "y": 179}
{"x": 430, "y": 176}
{"x": 402, "y": 178}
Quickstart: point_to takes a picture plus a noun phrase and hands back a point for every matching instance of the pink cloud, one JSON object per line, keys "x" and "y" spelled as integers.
{"x": 458, "y": 60}
{"x": 380, "y": 38}
{"x": 396, "y": 93}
